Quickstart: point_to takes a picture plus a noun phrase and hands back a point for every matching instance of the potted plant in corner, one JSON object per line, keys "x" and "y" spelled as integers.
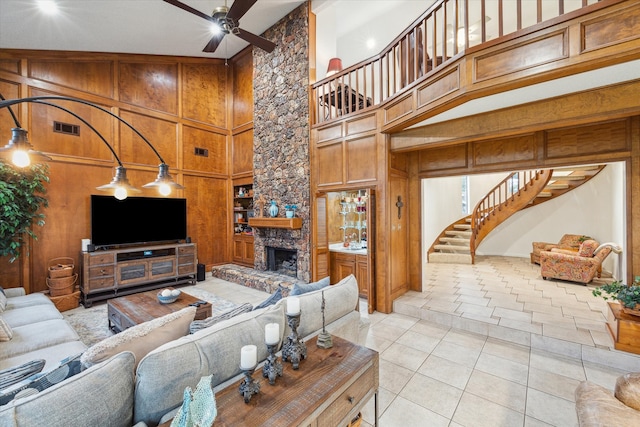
{"x": 21, "y": 196}
{"x": 627, "y": 296}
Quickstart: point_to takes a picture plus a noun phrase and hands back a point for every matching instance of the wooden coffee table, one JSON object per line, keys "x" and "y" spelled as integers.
{"x": 130, "y": 310}
{"x": 328, "y": 390}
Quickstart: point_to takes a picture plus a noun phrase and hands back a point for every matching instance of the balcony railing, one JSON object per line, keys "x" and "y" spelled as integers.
{"x": 442, "y": 33}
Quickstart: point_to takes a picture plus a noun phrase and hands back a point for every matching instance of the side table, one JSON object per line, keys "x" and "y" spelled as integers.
{"x": 330, "y": 388}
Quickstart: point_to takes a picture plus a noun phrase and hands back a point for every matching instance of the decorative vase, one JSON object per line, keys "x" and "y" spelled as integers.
{"x": 273, "y": 209}
{"x": 289, "y": 214}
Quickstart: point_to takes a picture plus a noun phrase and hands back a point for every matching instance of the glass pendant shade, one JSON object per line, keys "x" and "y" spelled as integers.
{"x": 119, "y": 185}
{"x": 164, "y": 182}
{"x": 20, "y": 151}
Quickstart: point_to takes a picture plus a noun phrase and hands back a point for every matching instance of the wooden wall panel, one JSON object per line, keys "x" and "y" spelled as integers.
{"x": 361, "y": 124}
{"x": 207, "y": 222}
{"x": 612, "y": 28}
{"x": 398, "y": 109}
{"x": 399, "y": 161}
{"x": 436, "y": 89}
{"x": 504, "y": 151}
{"x": 87, "y": 145}
{"x": 12, "y": 66}
{"x": 10, "y": 91}
{"x": 398, "y": 238}
{"x": 330, "y": 160}
{"x": 162, "y": 134}
{"x": 150, "y": 85}
{"x": 361, "y": 156}
{"x": 242, "y": 152}
{"x": 605, "y": 137}
{"x": 97, "y": 75}
{"x": 443, "y": 158}
{"x": 217, "y": 160}
{"x": 204, "y": 93}
{"x": 242, "y": 89}
{"x": 329, "y": 133}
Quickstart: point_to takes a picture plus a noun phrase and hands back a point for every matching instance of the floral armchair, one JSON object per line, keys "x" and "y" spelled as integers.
{"x": 568, "y": 241}
{"x": 580, "y": 267}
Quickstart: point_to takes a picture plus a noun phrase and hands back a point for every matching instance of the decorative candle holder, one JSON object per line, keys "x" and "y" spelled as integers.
{"x": 324, "y": 339}
{"x": 293, "y": 349}
{"x": 248, "y": 386}
{"x": 272, "y": 367}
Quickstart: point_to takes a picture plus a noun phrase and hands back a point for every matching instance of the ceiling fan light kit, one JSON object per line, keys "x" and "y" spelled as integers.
{"x": 227, "y": 20}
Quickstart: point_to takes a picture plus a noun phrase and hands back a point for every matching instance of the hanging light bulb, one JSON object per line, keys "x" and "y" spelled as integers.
{"x": 19, "y": 150}
{"x": 164, "y": 182}
{"x": 20, "y": 158}
{"x": 120, "y": 185}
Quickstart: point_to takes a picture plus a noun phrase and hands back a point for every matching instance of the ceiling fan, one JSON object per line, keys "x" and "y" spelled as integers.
{"x": 227, "y": 19}
{"x": 462, "y": 34}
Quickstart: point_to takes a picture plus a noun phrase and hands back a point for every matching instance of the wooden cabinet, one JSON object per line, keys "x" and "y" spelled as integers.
{"x": 624, "y": 329}
{"x": 344, "y": 264}
{"x": 106, "y": 274}
{"x": 242, "y": 241}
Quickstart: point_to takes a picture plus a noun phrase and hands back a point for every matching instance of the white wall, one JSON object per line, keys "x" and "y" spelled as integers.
{"x": 596, "y": 208}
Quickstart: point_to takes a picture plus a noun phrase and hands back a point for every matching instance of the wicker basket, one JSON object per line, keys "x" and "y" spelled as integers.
{"x": 356, "y": 421}
{"x": 60, "y": 267}
{"x": 62, "y": 285}
{"x": 66, "y": 302}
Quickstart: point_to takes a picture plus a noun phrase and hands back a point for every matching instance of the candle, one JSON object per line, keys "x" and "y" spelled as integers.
{"x": 293, "y": 305}
{"x": 271, "y": 333}
{"x": 248, "y": 357}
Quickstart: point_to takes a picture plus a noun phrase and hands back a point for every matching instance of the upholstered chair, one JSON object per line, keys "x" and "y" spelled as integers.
{"x": 580, "y": 267}
{"x": 568, "y": 241}
{"x": 597, "y": 406}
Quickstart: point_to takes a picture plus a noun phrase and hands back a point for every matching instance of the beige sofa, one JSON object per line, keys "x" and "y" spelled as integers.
{"x": 117, "y": 393}
{"x": 596, "y": 406}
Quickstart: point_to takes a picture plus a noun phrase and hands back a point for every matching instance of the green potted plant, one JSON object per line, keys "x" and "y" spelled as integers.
{"x": 21, "y": 196}
{"x": 628, "y": 296}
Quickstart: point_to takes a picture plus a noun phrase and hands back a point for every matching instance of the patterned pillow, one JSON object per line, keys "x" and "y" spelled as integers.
{"x": 11, "y": 376}
{"x": 5, "y": 331}
{"x": 299, "y": 289}
{"x": 197, "y": 325}
{"x": 3, "y": 300}
{"x": 274, "y": 298}
{"x": 68, "y": 368}
{"x": 587, "y": 248}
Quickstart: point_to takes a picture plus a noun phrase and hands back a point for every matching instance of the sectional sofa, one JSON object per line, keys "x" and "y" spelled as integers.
{"x": 124, "y": 390}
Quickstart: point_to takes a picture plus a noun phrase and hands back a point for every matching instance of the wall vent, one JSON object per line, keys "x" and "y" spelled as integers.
{"x": 201, "y": 152}
{"x": 66, "y": 128}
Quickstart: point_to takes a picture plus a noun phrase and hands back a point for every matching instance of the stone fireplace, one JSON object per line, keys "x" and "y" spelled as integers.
{"x": 282, "y": 261}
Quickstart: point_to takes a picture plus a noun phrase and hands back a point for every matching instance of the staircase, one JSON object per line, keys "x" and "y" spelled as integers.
{"x": 520, "y": 190}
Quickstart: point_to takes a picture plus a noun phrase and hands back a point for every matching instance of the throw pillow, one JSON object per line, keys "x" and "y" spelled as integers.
{"x": 299, "y": 289}
{"x": 141, "y": 339}
{"x": 68, "y": 368}
{"x": 197, "y": 325}
{"x": 3, "y": 300}
{"x": 5, "y": 330}
{"x": 587, "y": 248}
{"x": 11, "y": 376}
{"x": 274, "y": 298}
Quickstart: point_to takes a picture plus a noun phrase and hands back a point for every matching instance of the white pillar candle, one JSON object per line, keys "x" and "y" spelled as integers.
{"x": 271, "y": 333}
{"x": 293, "y": 305}
{"x": 248, "y": 357}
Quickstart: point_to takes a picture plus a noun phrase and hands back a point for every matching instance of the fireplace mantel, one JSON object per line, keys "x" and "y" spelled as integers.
{"x": 288, "y": 223}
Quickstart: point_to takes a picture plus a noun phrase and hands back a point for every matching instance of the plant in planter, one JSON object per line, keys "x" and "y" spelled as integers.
{"x": 628, "y": 296}
{"x": 21, "y": 196}
{"x": 290, "y": 210}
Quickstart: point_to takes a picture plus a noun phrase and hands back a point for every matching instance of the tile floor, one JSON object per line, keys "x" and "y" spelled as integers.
{"x": 490, "y": 344}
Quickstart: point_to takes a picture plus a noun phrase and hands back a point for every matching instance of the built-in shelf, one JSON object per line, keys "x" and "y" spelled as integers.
{"x": 290, "y": 223}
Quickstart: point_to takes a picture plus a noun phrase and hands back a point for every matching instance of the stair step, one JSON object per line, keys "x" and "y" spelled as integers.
{"x": 442, "y": 258}
{"x": 464, "y": 234}
{"x": 557, "y": 187}
{"x": 567, "y": 177}
{"x": 462, "y": 226}
{"x": 455, "y": 240}
{"x": 454, "y": 248}
{"x": 544, "y": 194}
{"x": 581, "y": 168}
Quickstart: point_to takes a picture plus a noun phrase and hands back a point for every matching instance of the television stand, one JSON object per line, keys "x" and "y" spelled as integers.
{"x": 112, "y": 273}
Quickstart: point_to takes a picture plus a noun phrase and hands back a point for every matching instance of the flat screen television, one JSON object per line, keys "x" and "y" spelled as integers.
{"x": 137, "y": 220}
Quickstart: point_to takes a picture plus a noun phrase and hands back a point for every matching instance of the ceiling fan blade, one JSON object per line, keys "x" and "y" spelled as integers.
{"x": 191, "y": 10}
{"x": 258, "y": 41}
{"x": 214, "y": 43}
{"x": 239, "y": 8}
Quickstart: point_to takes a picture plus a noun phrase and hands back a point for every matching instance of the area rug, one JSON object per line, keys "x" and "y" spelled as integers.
{"x": 92, "y": 324}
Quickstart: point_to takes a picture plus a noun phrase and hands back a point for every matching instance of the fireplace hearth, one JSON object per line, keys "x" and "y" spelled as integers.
{"x": 282, "y": 261}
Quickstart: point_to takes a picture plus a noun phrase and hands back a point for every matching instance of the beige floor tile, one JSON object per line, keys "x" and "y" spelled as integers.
{"x": 430, "y": 329}
{"x": 466, "y": 339}
{"x": 606, "y": 377}
{"x": 399, "y": 321}
{"x": 558, "y": 365}
{"x": 550, "y": 409}
{"x": 403, "y": 413}
{"x": 463, "y": 355}
{"x": 404, "y": 356}
{"x": 562, "y": 332}
{"x": 378, "y": 344}
{"x": 514, "y": 352}
{"x": 505, "y": 313}
{"x": 503, "y": 368}
{"x": 386, "y": 331}
{"x": 418, "y": 341}
{"x": 393, "y": 377}
{"x": 432, "y": 394}
{"x": 497, "y": 390}
{"x": 553, "y": 383}
{"x": 474, "y": 411}
{"x": 446, "y": 371}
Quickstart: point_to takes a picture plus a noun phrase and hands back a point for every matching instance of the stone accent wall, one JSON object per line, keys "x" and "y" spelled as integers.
{"x": 281, "y": 161}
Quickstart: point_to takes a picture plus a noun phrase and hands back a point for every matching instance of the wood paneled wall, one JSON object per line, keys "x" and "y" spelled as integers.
{"x": 177, "y": 103}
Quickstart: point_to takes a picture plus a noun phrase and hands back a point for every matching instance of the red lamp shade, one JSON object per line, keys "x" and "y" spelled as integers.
{"x": 335, "y": 66}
